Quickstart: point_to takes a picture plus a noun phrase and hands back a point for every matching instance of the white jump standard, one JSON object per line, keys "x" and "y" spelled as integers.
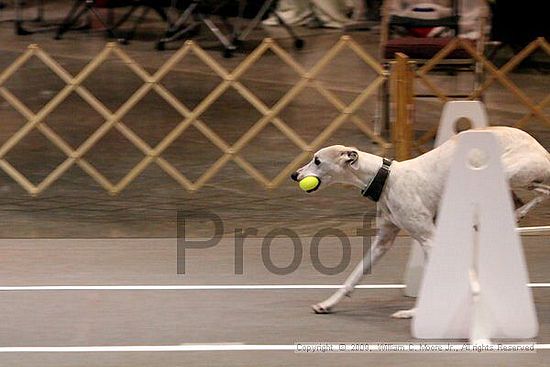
{"x": 408, "y": 192}
{"x": 474, "y": 285}
{"x": 476, "y": 113}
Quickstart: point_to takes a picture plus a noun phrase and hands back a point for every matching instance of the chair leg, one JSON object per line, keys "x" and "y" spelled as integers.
{"x": 382, "y": 113}
{"x": 161, "y": 13}
{"x": 19, "y": 29}
{"x": 178, "y": 29}
{"x": 78, "y": 9}
{"x": 479, "y": 78}
{"x": 266, "y": 7}
{"x": 98, "y": 16}
{"x": 39, "y": 11}
{"x": 386, "y": 106}
{"x": 122, "y": 19}
{"x": 130, "y": 35}
{"x": 229, "y": 47}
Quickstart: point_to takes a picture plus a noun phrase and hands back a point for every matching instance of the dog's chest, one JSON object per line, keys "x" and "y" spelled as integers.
{"x": 385, "y": 211}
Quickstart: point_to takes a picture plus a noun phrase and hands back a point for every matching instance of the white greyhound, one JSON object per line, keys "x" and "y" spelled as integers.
{"x": 408, "y": 192}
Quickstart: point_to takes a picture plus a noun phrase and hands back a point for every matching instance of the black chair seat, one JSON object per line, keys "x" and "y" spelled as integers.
{"x": 422, "y": 48}
{"x": 406, "y": 22}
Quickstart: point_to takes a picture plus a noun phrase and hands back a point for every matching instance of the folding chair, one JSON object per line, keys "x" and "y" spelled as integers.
{"x": 81, "y": 8}
{"x": 198, "y": 12}
{"x": 422, "y": 49}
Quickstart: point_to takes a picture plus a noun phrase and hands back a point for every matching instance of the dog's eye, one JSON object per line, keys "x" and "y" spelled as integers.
{"x": 317, "y": 161}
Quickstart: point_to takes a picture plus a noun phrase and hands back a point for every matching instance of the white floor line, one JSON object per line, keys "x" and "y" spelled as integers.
{"x": 176, "y": 287}
{"x": 193, "y": 348}
{"x": 205, "y": 287}
{"x": 539, "y": 229}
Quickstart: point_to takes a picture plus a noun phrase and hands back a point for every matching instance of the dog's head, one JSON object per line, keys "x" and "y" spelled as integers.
{"x": 334, "y": 164}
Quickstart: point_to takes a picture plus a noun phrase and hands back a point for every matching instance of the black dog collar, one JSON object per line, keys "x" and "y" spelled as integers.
{"x": 374, "y": 189}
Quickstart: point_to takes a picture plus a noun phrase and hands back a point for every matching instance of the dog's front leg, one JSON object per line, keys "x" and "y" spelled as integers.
{"x": 384, "y": 240}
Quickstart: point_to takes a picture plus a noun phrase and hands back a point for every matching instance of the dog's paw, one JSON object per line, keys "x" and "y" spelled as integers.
{"x": 404, "y": 314}
{"x": 320, "y": 309}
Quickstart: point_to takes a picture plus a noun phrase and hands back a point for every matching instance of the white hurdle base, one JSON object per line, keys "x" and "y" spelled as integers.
{"x": 416, "y": 263}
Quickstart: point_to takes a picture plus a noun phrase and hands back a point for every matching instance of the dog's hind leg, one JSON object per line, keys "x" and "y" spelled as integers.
{"x": 408, "y": 314}
{"x": 404, "y": 314}
{"x": 384, "y": 240}
{"x": 543, "y": 194}
{"x": 518, "y": 203}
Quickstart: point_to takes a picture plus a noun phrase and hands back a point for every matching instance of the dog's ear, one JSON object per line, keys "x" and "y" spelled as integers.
{"x": 351, "y": 157}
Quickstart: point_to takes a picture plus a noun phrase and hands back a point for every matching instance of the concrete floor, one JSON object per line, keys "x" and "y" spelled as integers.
{"x": 86, "y": 318}
{"x": 76, "y": 207}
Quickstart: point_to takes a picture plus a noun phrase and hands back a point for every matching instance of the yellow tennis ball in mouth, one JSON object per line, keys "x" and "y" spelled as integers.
{"x": 309, "y": 183}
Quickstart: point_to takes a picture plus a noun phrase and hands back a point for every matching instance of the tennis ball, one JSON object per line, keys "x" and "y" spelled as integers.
{"x": 309, "y": 183}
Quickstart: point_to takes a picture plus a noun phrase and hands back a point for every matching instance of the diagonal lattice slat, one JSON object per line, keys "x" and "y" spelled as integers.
{"x": 152, "y": 82}
{"x": 494, "y": 75}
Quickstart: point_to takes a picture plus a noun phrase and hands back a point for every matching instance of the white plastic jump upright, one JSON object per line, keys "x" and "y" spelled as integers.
{"x": 452, "y": 112}
{"x": 475, "y": 284}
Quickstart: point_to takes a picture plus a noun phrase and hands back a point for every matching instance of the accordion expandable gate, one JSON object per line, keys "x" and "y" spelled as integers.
{"x": 403, "y": 139}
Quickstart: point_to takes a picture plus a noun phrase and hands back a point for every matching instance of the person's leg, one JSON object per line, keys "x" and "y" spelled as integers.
{"x": 332, "y": 14}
